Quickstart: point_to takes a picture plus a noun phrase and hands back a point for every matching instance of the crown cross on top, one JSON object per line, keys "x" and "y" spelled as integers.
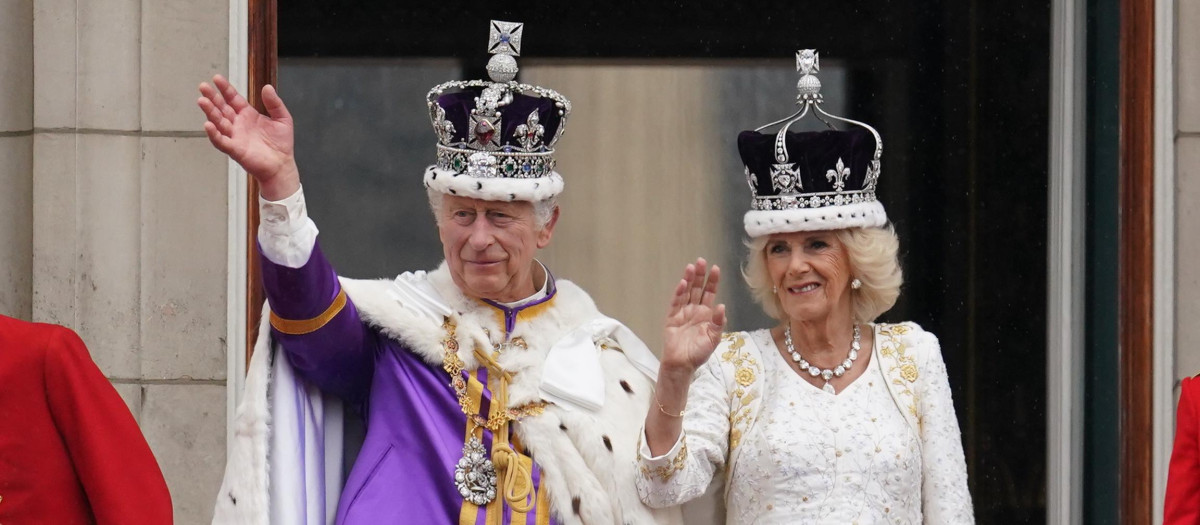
{"x": 504, "y": 43}
{"x": 505, "y": 38}
{"x": 808, "y": 63}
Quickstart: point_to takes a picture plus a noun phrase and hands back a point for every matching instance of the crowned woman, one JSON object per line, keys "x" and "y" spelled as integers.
{"x": 827, "y": 417}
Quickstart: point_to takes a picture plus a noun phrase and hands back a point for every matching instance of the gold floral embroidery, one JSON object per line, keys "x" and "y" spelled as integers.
{"x": 664, "y": 473}
{"x": 745, "y": 377}
{"x": 744, "y": 367}
{"x": 904, "y": 365}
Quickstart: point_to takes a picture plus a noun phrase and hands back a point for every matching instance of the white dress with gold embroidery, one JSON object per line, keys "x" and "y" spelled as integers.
{"x": 886, "y": 449}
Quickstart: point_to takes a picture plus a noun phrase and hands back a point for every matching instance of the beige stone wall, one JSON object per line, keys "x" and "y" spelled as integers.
{"x": 642, "y": 197}
{"x": 16, "y": 157}
{"x": 1187, "y": 203}
{"x": 113, "y": 209}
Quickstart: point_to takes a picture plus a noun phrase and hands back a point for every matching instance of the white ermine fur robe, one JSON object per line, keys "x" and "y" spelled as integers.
{"x": 576, "y": 358}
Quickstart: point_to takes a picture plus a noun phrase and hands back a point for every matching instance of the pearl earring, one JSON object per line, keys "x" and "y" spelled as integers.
{"x": 775, "y": 289}
{"x": 856, "y": 284}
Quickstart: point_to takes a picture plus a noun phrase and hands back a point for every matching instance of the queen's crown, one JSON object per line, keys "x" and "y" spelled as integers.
{"x": 797, "y": 170}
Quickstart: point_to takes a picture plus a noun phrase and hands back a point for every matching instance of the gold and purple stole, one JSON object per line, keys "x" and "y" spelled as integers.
{"x": 479, "y": 388}
{"x": 480, "y": 385}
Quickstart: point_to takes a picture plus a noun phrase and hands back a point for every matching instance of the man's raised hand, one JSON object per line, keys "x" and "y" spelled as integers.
{"x": 262, "y": 144}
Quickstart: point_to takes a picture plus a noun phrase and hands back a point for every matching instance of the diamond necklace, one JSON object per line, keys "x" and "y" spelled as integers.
{"x": 825, "y": 374}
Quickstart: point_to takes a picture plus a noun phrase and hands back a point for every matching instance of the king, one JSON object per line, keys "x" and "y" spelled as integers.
{"x": 491, "y": 391}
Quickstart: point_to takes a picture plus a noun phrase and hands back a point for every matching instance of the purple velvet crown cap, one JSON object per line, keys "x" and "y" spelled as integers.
{"x": 458, "y": 106}
{"x": 814, "y": 154}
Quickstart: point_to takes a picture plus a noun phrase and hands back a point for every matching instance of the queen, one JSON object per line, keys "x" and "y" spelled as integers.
{"x": 827, "y": 417}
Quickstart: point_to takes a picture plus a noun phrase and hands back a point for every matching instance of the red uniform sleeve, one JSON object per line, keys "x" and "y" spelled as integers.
{"x": 1183, "y": 479}
{"x": 111, "y": 458}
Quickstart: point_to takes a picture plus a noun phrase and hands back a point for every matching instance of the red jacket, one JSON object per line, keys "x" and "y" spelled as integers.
{"x": 1183, "y": 480}
{"x": 70, "y": 451}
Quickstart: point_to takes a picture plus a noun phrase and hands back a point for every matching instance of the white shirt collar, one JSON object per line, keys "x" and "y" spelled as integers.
{"x": 540, "y": 294}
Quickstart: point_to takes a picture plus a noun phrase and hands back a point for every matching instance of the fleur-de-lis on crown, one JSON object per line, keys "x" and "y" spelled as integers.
{"x": 529, "y": 134}
{"x": 838, "y": 175}
{"x": 872, "y": 175}
{"x": 442, "y": 127}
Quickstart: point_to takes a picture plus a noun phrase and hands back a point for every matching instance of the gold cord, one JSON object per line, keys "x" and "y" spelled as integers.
{"x": 516, "y": 478}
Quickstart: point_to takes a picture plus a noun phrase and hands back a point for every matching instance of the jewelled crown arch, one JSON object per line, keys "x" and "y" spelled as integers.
{"x": 793, "y": 190}
{"x": 808, "y": 97}
{"x": 497, "y": 129}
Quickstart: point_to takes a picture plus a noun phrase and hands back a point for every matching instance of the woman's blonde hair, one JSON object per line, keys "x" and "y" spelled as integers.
{"x": 873, "y": 256}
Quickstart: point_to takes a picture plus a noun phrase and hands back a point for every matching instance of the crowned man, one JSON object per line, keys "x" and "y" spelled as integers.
{"x": 491, "y": 392}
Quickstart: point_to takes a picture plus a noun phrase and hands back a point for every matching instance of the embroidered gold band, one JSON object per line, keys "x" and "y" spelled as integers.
{"x": 664, "y": 473}
{"x": 307, "y": 326}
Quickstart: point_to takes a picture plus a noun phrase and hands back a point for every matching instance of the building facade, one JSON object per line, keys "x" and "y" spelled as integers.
{"x": 119, "y": 220}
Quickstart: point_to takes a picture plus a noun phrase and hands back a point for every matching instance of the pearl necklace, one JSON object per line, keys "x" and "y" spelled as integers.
{"x": 825, "y": 374}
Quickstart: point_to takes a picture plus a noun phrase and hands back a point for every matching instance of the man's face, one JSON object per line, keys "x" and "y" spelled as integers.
{"x": 490, "y": 246}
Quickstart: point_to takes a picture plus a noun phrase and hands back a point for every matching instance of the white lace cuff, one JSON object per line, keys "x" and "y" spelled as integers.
{"x": 286, "y": 235}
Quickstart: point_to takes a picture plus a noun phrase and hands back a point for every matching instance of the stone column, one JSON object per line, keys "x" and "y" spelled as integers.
{"x": 1187, "y": 199}
{"x": 129, "y": 216}
{"x": 16, "y": 150}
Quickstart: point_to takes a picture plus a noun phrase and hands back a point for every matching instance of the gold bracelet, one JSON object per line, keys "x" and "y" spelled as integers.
{"x": 663, "y": 410}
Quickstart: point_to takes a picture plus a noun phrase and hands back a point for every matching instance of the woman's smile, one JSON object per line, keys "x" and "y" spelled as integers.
{"x": 803, "y": 289}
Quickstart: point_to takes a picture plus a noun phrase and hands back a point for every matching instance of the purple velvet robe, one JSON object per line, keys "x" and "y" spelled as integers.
{"x": 415, "y": 427}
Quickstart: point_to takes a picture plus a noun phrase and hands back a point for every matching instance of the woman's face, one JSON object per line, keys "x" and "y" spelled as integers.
{"x": 811, "y": 271}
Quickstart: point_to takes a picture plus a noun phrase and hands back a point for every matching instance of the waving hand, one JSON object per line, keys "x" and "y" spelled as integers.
{"x": 262, "y": 144}
{"x": 694, "y": 324}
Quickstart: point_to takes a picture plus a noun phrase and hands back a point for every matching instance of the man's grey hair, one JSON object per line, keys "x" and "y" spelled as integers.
{"x": 543, "y": 210}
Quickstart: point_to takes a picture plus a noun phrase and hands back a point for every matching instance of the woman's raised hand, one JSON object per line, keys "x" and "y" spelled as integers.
{"x": 694, "y": 324}
{"x": 262, "y": 144}
{"x": 693, "y": 331}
